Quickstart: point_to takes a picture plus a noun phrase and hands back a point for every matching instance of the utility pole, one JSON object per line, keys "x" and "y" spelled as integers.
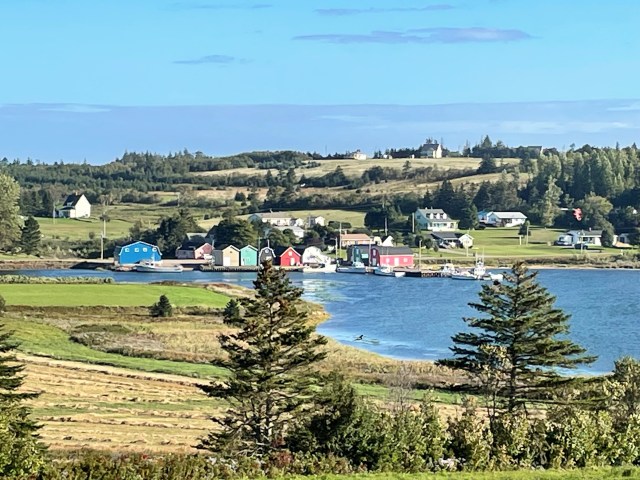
{"x": 413, "y": 222}
{"x": 385, "y": 226}
{"x": 420, "y": 254}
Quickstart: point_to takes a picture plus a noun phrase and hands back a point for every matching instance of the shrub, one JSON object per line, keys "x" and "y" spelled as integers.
{"x": 3, "y": 305}
{"x": 162, "y": 308}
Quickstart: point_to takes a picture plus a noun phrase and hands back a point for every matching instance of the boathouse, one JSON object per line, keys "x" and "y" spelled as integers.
{"x": 248, "y": 256}
{"x": 136, "y": 252}
{"x": 392, "y": 256}
{"x": 288, "y": 257}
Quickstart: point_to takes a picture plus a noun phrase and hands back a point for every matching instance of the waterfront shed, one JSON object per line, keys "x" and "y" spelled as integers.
{"x": 392, "y": 256}
{"x": 267, "y": 255}
{"x": 136, "y": 252}
{"x": 288, "y": 257}
{"x": 249, "y": 256}
{"x": 227, "y": 257}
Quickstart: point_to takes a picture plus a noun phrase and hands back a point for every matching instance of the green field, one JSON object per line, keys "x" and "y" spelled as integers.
{"x": 67, "y": 295}
{"x": 505, "y": 242}
{"x": 81, "y": 228}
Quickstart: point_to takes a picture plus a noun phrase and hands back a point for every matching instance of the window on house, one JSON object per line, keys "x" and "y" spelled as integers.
{"x": 136, "y": 250}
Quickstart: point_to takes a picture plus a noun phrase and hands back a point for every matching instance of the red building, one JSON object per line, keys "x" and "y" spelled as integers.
{"x": 392, "y": 256}
{"x": 288, "y": 257}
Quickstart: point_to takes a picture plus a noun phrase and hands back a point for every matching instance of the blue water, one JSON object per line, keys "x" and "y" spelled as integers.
{"x": 414, "y": 318}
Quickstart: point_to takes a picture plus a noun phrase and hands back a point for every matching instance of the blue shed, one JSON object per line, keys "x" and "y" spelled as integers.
{"x": 136, "y": 252}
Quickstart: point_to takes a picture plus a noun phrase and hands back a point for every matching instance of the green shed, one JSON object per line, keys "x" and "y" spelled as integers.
{"x": 249, "y": 255}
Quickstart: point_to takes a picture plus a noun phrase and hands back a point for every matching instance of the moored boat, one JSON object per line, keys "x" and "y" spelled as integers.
{"x": 356, "y": 267}
{"x": 153, "y": 267}
{"x": 320, "y": 268}
{"x": 387, "y": 271}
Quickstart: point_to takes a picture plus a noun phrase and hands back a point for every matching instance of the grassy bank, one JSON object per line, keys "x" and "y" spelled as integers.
{"x": 68, "y": 295}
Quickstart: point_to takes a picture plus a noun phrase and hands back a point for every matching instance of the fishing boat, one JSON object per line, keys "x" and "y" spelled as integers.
{"x": 355, "y": 267}
{"x": 387, "y": 271}
{"x": 155, "y": 267}
{"x": 447, "y": 270}
{"x": 320, "y": 268}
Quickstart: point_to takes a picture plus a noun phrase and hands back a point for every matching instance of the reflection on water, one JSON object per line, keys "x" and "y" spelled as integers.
{"x": 414, "y": 318}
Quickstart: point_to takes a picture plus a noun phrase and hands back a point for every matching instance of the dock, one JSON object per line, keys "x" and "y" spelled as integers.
{"x": 243, "y": 268}
{"x": 418, "y": 273}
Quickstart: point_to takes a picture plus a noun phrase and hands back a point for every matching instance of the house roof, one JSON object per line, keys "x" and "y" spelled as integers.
{"x": 293, "y": 228}
{"x": 450, "y": 235}
{"x": 430, "y": 145}
{"x": 274, "y": 215}
{"x": 355, "y": 236}
{"x": 426, "y": 211}
{"x": 508, "y": 214}
{"x": 249, "y": 246}
{"x": 395, "y": 250}
{"x": 586, "y": 233}
{"x": 227, "y": 248}
{"x": 73, "y": 199}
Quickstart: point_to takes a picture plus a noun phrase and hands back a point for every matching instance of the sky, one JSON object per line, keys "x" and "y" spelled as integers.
{"x": 88, "y": 80}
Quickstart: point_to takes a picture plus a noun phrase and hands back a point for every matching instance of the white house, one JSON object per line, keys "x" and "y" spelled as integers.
{"x": 277, "y": 219}
{"x": 453, "y": 239}
{"x": 502, "y": 219}
{"x": 297, "y": 231}
{"x": 358, "y": 155}
{"x": 431, "y": 150}
{"x": 587, "y": 237}
{"x": 435, "y": 220}
{"x": 312, "y": 221}
{"x": 75, "y": 206}
{"x": 349, "y": 239}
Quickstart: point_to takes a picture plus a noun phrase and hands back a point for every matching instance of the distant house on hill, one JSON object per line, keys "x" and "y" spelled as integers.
{"x": 358, "y": 155}
{"x": 431, "y": 149}
{"x": 435, "y": 220}
{"x": 75, "y": 206}
{"x": 452, "y": 239}
{"x": 348, "y": 239}
{"x": 277, "y": 219}
{"x": 502, "y": 219}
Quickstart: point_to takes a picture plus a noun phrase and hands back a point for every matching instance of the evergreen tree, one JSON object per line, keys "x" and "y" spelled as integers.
{"x": 516, "y": 343}
{"x": 270, "y": 360}
{"x": 9, "y": 212}
{"x": 21, "y": 454}
{"x": 31, "y": 236}
{"x": 162, "y": 308}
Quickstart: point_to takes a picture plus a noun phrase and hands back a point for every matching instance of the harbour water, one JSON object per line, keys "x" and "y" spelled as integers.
{"x": 414, "y": 318}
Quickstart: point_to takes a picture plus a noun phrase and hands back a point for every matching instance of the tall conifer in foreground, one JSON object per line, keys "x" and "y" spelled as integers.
{"x": 270, "y": 360}
{"x": 21, "y": 454}
{"x": 518, "y": 344}
{"x": 31, "y": 237}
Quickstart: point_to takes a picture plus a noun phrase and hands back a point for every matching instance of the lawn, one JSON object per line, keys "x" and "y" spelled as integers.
{"x": 69, "y": 295}
{"x": 505, "y": 242}
{"x": 81, "y": 228}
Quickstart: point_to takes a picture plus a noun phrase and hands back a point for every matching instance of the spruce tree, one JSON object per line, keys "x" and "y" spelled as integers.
{"x": 31, "y": 236}
{"x": 271, "y": 354}
{"x": 162, "y": 308}
{"x": 515, "y": 345}
{"x": 21, "y": 453}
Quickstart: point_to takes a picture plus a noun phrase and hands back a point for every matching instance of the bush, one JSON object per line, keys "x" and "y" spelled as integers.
{"x": 3, "y": 304}
{"x": 162, "y": 308}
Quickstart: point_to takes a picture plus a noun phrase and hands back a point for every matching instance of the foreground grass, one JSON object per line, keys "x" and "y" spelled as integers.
{"x": 68, "y": 295}
{"x": 42, "y": 339}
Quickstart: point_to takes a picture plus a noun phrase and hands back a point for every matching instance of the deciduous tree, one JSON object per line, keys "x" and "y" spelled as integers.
{"x": 9, "y": 212}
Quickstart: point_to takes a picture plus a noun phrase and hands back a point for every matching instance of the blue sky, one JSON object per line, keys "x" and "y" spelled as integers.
{"x": 88, "y": 80}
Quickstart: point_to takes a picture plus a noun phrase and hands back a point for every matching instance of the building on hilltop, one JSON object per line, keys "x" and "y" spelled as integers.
{"x": 75, "y": 206}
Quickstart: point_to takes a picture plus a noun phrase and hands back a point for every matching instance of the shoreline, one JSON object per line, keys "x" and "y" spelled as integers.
{"x": 538, "y": 263}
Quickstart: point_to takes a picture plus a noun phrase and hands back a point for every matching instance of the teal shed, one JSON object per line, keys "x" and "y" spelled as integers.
{"x": 249, "y": 255}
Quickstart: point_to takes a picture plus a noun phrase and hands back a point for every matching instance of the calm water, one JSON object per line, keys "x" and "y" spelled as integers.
{"x": 414, "y": 318}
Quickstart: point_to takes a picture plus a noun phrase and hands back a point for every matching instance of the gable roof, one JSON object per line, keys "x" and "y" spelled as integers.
{"x": 427, "y": 211}
{"x": 280, "y": 250}
{"x": 355, "y": 236}
{"x": 226, "y": 248}
{"x": 508, "y": 214}
{"x": 73, "y": 199}
{"x": 394, "y": 250}
{"x": 274, "y": 215}
{"x": 449, "y": 235}
{"x": 588, "y": 233}
{"x": 249, "y": 246}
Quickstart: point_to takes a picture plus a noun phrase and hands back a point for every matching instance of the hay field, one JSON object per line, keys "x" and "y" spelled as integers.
{"x": 107, "y": 408}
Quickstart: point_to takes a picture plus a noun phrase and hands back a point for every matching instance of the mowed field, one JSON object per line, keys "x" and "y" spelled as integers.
{"x": 108, "y": 408}
{"x": 76, "y": 295}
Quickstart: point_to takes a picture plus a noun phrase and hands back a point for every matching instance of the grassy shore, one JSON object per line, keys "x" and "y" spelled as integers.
{"x": 68, "y": 295}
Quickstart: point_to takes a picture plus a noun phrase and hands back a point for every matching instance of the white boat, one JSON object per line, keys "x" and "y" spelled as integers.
{"x": 320, "y": 268}
{"x": 154, "y": 267}
{"x": 448, "y": 269}
{"x": 387, "y": 271}
{"x": 464, "y": 275}
{"x": 356, "y": 267}
{"x": 493, "y": 277}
